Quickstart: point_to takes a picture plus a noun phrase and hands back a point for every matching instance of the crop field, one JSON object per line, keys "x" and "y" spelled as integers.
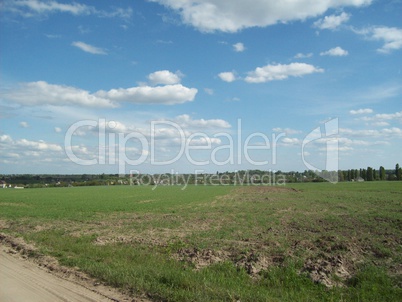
{"x": 299, "y": 242}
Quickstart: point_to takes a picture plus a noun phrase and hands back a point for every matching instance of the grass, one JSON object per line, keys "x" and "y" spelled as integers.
{"x": 304, "y": 242}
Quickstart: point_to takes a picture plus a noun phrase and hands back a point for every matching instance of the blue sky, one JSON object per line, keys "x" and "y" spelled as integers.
{"x": 213, "y": 85}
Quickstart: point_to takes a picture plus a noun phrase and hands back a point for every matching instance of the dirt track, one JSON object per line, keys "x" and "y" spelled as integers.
{"x": 42, "y": 278}
{"x": 21, "y": 280}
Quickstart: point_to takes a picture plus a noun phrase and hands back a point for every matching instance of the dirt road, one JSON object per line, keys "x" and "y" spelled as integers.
{"x": 22, "y": 280}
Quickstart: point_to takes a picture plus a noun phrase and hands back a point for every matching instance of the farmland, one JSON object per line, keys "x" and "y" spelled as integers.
{"x": 304, "y": 242}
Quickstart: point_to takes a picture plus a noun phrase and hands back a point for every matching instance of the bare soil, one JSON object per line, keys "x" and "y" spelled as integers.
{"x": 27, "y": 276}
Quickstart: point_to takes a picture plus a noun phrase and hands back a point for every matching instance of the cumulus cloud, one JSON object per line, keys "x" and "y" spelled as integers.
{"x": 280, "y": 72}
{"x": 390, "y": 36}
{"x": 335, "y": 52}
{"x": 389, "y": 116}
{"x": 239, "y": 47}
{"x": 232, "y": 16}
{"x": 291, "y": 141}
{"x": 26, "y": 152}
{"x": 303, "y": 56}
{"x": 89, "y": 48}
{"x": 44, "y": 7}
{"x": 185, "y": 121}
{"x": 209, "y": 91}
{"x": 42, "y": 93}
{"x": 227, "y": 76}
{"x": 361, "y": 111}
{"x": 332, "y": 22}
{"x": 164, "y": 77}
{"x": 393, "y": 132}
{"x": 383, "y": 118}
{"x": 32, "y": 8}
{"x": 286, "y": 130}
{"x": 380, "y": 124}
{"x": 26, "y": 144}
{"x": 168, "y": 95}
{"x": 24, "y": 125}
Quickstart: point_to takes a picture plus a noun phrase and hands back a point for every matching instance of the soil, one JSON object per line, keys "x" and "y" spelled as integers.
{"x": 41, "y": 278}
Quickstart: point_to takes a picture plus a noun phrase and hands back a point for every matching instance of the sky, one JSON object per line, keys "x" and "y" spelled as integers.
{"x": 185, "y": 86}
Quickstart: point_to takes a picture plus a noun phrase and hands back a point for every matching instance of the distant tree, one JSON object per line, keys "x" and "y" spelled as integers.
{"x": 382, "y": 173}
{"x": 398, "y": 172}
{"x": 363, "y": 174}
{"x": 369, "y": 174}
{"x": 341, "y": 177}
{"x": 375, "y": 176}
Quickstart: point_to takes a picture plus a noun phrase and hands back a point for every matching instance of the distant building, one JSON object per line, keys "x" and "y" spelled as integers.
{"x": 3, "y": 184}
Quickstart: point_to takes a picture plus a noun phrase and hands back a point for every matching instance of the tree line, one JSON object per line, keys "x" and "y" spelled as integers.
{"x": 242, "y": 177}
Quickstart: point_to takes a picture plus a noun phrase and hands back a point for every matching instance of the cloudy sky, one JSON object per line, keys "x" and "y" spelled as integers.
{"x": 208, "y": 85}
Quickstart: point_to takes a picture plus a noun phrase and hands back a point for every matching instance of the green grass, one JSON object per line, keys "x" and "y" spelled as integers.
{"x": 266, "y": 243}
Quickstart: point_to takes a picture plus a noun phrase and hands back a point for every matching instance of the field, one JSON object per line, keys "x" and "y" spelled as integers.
{"x": 300, "y": 242}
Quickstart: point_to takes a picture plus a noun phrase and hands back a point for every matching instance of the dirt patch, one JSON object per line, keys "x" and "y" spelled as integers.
{"x": 251, "y": 262}
{"x": 64, "y": 278}
{"x": 200, "y": 258}
{"x": 4, "y": 224}
{"x": 327, "y": 270}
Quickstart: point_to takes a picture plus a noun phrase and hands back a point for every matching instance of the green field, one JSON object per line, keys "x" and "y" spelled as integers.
{"x": 301, "y": 242}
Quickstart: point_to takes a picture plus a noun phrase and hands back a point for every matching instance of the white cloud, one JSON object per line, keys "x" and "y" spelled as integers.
{"x": 24, "y": 124}
{"x": 43, "y": 7}
{"x": 286, "y": 130}
{"x": 42, "y": 93}
{"x": 209, "y": 91}
{"x": 164, "y": 77}
{"x": 335, "y": 52}
{"x": 361, "y": 111}
{"x": 389, "y": 116}
{"x": 203, "y": 141}
{"x": 89, "y": 48}
{"x": 38, "y": 145}
{"x": 280, "y": 72}
{"x": 57, "y": 129}
{"x": 382, "y": 117}
{"x": 28, "y": 145}
{"x": 32, "y": 8}
{"x": 232, "y": 16}
{"x": 168, "y": 95}
{"x": 303, "y": 56}
{"x": 186, "y": 121}
{"x": 124, "y": 13}
{"x": 390, "y": 36}
{"x": 291, "y": 141}
{"x": 332, "y": 22}
{"x": 380, "y": 124}
{"x": 227, "y": 76}
{"x": 393, "y": 132}
{"x": 239, "y": 47}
